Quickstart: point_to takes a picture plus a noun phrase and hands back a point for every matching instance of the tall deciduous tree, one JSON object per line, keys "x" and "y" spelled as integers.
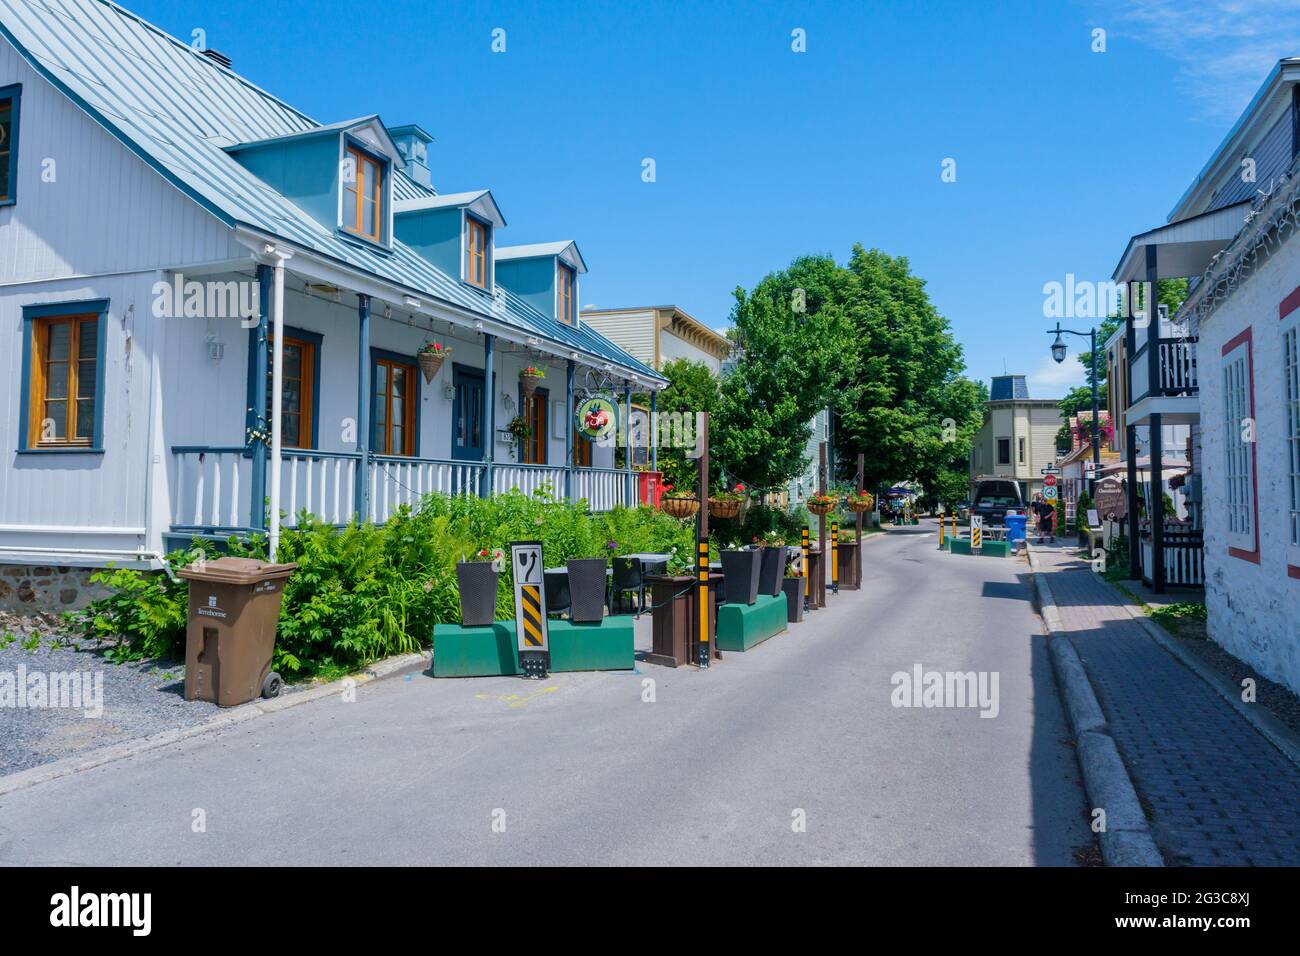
{"x": 692, "y": 387}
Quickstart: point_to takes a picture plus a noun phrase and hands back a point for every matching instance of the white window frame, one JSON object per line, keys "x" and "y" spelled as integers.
{"x": 1238, "y": 475}
{"x": 1290, "y": 352}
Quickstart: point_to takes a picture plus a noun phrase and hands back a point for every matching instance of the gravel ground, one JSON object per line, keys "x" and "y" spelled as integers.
{"x": 139, "y": 698}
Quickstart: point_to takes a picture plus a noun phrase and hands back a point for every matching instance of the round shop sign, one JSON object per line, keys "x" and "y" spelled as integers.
{"x": 1049, "y": 493}
{"x": 596, "y": 417}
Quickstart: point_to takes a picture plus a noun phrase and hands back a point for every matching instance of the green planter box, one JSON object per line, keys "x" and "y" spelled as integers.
{"x": 597, "y": 646}
{"x": 960, "y": 546}
{"x": 741, "y": 626}
{"x": 491, "y": 651}
{"x": 996, "y": 549}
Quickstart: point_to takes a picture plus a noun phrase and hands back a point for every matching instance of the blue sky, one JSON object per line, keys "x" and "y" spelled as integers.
{"x": 763, "y": 154}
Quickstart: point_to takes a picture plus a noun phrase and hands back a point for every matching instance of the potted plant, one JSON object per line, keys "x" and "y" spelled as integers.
{"x": 519, "y": 430}
{"x": 431, "y": 356}
{"x": 740, "y": 575}
{"x": 793, "y": 586}
{"x": 726, "y": 504}
{"x": 821, "y": 504}
{"x": 771, "y": 547}
{"x": 860, "y": 503}
{"x": 678, "y": 504}
{"x": 529, "y": 377}
{"x": 477, "y": 582}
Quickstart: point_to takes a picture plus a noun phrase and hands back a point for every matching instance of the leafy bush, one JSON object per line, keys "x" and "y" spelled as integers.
{"x": 146, "y": 611}
{"x": 363, "y": 592}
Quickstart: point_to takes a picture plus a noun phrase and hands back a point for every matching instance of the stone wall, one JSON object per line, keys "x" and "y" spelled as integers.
{"x": 27, "y": 589}
{"x": 1253, "y": 604}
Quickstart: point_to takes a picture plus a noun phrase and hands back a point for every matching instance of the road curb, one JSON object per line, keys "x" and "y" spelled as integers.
{"x": 389, "y": 667}
{"x": 1126, "y": 839}
{"x": 1270, "y": 727}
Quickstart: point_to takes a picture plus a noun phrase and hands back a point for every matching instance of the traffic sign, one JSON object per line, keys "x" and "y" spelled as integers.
{"x": 976, "y": 532}
{"x": 1049, "y": 470}
{"x": 530, "y": 608}
{"x": 1050, "y": 481}
{"x": 1049, "y": 493}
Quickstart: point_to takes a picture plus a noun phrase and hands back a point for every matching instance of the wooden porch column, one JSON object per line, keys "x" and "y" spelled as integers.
{"x": 1130, "y": 442}
{"x": 489, "y": 412}
{"x": 568, "y": 432}
{"x": 1156, "y": 506}
{"x": 257, "y": 413}
{"x": 627, "y": 443}
{"x": 362, "y": 502}
{"x": 654, "y": 431}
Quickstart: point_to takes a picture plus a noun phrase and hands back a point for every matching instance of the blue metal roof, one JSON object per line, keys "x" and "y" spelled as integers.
{"x": 178, "y": 111}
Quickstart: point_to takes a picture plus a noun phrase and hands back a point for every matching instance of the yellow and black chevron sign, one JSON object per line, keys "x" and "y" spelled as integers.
{"x": 532, "y": 619}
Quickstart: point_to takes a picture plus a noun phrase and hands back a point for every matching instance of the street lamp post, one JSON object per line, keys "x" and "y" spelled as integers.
{"x": 1058, "y": 353}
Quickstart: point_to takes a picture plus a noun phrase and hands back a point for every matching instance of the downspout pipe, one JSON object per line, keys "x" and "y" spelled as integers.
{"x": 277, "y": 385}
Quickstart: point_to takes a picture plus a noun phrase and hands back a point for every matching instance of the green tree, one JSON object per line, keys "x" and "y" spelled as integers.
{"x": 793, "y": 353}
{"x": 692, "y": 387}
{"x": 907, "y": 408}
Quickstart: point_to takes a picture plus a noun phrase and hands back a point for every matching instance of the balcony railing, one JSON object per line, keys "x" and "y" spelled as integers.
{"x": 1176, "y": 368}
{"x": 213, "y": 485}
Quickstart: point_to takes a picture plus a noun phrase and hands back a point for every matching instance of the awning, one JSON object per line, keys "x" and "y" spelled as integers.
{"x": 1183, "y": 248}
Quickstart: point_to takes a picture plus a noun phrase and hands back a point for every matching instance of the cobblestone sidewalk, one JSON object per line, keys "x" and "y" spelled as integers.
{"x": 1216, "y": 792}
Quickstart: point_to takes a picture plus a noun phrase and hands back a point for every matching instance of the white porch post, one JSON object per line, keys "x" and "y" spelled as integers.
{"x": 277, "y": 374}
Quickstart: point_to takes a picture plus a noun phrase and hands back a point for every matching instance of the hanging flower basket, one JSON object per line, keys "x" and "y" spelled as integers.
{"x": 859, "y": 504}
{"x": 724, "y": 507}
{"x": 431, "y": 357}
{"x": 821, "y": 504}
{"x": 528, "y": 379}
{"x": 680, "y": 507}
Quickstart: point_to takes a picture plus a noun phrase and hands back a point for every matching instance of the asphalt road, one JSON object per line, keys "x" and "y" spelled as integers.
{"x": 579, "y": 769}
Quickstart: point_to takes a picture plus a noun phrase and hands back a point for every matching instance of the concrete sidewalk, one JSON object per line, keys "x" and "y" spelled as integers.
{"x": 1216, "y": 792}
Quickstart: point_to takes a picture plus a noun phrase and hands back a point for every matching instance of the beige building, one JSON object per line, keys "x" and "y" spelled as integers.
{"x": 657, "y": 334}
{"x": 1018, "y": 437}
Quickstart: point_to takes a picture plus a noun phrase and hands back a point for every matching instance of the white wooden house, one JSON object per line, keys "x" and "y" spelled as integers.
{"x": 175, "y": 240}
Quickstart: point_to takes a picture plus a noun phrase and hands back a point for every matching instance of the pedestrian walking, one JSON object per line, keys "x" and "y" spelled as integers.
{"x": 1045, "y": 512}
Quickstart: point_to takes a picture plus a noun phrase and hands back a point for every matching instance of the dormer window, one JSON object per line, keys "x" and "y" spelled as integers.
{"x": 363, "y": 195}
{"x": 565, "y": 288}
{"x": 477, "y": 233}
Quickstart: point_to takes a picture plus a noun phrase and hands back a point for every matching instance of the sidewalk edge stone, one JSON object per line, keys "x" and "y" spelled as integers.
{"x": 1127, "y": 839}
{"x": 389, "y": 667}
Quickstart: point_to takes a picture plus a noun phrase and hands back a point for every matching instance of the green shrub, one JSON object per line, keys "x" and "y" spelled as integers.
{"x": 362, "y": 592}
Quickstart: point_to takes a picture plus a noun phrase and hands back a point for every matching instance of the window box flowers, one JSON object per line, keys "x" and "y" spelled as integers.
{"x": 431, "y": 356}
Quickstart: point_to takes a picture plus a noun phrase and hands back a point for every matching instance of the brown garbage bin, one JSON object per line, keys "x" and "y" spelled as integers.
{"x": 234, "y": 610}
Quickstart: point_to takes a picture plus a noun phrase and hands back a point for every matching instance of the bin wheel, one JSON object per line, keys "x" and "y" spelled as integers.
{"x": 271, "y": 686}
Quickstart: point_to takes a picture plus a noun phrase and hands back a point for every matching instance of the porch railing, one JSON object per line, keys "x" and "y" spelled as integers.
{"x": 212, "y": 485}
{"x": 604, "y": 488}
{"x": 1184, "y": 558}
{"x": 397, "y": 481}
{"x": 527, "y": 478}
